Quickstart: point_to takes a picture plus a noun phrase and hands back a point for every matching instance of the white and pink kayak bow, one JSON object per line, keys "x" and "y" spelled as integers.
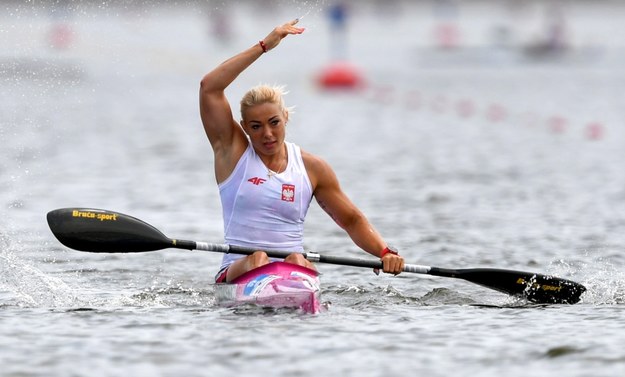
{"x": 275, "y": 285}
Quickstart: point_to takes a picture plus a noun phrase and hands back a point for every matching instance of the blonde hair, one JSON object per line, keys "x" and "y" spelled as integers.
{"x": 265, "y": 94}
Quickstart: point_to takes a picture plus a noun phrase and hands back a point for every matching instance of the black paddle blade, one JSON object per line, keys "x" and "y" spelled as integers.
{"x": 102, "y": 231}
{"x": 533, "y": 287}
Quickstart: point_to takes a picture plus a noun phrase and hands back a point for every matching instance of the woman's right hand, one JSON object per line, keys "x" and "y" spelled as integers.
{"x": 277, "y": 34}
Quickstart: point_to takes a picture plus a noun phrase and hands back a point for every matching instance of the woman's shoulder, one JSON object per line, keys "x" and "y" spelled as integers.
{"x": 312, "y": 161}
{"x": 319, "y": 170}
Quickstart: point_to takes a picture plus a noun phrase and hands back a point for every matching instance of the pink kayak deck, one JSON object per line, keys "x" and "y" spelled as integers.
{"x": 277, "y": 285}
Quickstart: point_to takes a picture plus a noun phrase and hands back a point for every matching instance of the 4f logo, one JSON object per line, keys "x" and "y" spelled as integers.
{"x": 257, "y": 181}
{"x": 288, "y": 193}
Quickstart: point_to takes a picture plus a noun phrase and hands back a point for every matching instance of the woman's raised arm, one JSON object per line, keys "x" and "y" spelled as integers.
{"x": 215, "y": 111}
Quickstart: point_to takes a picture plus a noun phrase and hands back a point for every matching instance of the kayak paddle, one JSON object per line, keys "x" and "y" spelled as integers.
{"x": 102, "y": 231}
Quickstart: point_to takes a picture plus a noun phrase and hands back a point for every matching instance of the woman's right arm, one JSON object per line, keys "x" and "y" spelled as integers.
{"x": 215, "y": 110}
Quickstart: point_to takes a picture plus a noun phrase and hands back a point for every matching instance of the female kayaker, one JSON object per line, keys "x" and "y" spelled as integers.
{"x": 266, "y": 184}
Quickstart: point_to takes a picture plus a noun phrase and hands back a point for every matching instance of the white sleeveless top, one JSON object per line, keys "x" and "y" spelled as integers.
{"x": 263, "y": 210}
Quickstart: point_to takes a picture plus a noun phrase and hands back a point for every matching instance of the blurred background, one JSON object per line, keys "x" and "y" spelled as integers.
{"x": 485, "y": 105}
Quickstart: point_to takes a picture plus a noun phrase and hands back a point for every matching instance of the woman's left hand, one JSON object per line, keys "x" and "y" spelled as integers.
{"x": 392, "y": 264}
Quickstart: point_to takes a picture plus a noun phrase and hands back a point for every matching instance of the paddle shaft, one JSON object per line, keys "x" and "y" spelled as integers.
{"x": 318, "y": 258}
{"x": 480, "y": 276}
{"x": 313, "y": 257}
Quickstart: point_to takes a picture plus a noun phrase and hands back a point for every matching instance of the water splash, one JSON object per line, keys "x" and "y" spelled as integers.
{"x": 175, "y": 295}
{"x": 363, "y": 296}
{"x": 444, "y": 296}
{"x": 308, "y": 12}
{"x": 27, "y": 286}
{"x": 604, "y": 281}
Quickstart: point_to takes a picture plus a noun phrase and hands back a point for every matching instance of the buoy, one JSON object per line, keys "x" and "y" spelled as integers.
{"x": 557, "y": 124}
{"x": 465, "y": 108}
{"x": 496, "y": 113}
{"x": 341, "y": 75}
{"x": 61, "y": 36}
{"x": 447, "y": 35}
{"x": 595, "y": 131}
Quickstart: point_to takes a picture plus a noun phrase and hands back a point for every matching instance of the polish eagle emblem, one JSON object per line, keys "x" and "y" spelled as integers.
{"x": 288, "y": 193}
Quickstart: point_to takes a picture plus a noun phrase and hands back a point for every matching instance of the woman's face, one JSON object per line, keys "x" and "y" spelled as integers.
{"x": 266, "y": 126}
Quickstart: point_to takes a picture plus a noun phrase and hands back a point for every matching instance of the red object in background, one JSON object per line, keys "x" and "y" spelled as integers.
{"x": 341, "y": 75}
{"x": 595, "y": 131}
{"x": 61, "y": 36}
{"x": 557, "y": 124}
{"x": 465, "y": 108}
{"x": 496, "y": 113}
{"x": 447, "y": 35}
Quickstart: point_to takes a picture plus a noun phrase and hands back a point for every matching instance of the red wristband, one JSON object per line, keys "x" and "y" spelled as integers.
{"x": 386, "y": 251}
{"x": 263, "y": 45}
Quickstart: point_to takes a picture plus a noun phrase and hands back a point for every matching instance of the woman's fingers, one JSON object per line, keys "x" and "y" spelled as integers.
{"x": 290, "y": 27}
{"x": 277, "y": 34}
